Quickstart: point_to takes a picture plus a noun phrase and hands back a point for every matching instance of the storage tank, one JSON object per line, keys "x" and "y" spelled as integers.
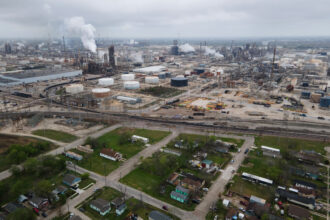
{"x": 325, "y": 102}
{"x": 152, "y": 79}
{"x": 305, "y": 94}
{"x": 74, "y": 88}
{"x": 106, "y": 81}
{"x": 101, "y": 92}
{"x": 131, "y": 85}
{"x": 179, "y": 81}
{"x": 128, "y": 77}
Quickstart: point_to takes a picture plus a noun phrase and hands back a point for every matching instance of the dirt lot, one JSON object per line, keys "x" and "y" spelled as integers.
{"x": 7, "y": 140}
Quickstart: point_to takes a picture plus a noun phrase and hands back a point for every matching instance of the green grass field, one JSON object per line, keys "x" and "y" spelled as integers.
{"x": 56, "y": 135}
{"x": 291, "y": 143}
{"x": 133, "y": 206}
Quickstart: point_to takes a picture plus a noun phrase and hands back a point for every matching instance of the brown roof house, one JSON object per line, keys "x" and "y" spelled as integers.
{"x": 110, "y": 154}
{"x": 192, "y": 182}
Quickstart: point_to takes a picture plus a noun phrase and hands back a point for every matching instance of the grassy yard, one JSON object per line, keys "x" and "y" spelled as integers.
{"x": 291, "y": 143}
{"x": 162, "y": 92}
{"x": 133, "y": 206}
{"x": 118, "y": 140}
{"x": 8, "y": 140}
{"x": 56, "y": 135}
{"x": 246, "y": 188}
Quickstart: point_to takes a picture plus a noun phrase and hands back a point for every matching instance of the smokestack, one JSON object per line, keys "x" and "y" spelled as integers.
{"x": 63, "y": 43}
{"x": 112, "y": 57}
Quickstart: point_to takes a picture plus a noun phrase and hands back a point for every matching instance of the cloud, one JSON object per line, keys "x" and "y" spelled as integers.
{"x": 158, "y": 18}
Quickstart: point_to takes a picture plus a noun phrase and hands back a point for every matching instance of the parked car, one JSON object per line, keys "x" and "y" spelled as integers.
{"x": 321, "y": 118}
{"x": 303, "y": 115}
{"x": 165, "y": 207}
{"x": 246, "y": 151}
{"x": 82, "y": 209}
{"x": 44, "y": 214}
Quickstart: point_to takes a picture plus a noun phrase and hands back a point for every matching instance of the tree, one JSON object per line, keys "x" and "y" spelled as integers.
{"x": 85, "y": 176}
{"x": 44, "y": 188}
{"x": 31, "y": 166}
{"x": 17, "y": 188}
{"x": 15, "y": 170}
{"x": 22, "y": 213}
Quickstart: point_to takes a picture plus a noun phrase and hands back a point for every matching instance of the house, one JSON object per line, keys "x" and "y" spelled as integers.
{"x": 295, "y": 198}
{"x": 207, "y": 163}
{"x": 179, "y": 144}
{"x": 60, "y": 190}
{"x": 118, "y": 201}
{"x": 270, "y": 151}
{"x": 298, "y": 212}
{"x": 86, "y": 149}
{"x": 305, "y": 192}
{"x": 139, "y": 138}
{"x": 180, "y": 194}
{"x": 309, "y": 157}
{"x": 256, "y": 179}
{"x": 38, "y": 202}
{"x": 222, "y": 149}
{"x": 101, "y": 206}
{"x": 192, "y": 182}
{"x": 257, "y": 209}
{"x": 304, "y": 184}
{"x": 156, "y": 215}
{"x": 225, "y": 202}
{"x": 110, "y": 154}
{"x": 73, "y": 155}
{"x": 121, "y": 209}
{"x": 254, "y": 199}
{"x": 224, "y": 144}
{"x": 22, "y": 198}
{"x": 71, "y": 180}
{"x": 171, "y": 151}
{"x": 12, "y": 207}
{"x": 172, "y": 179}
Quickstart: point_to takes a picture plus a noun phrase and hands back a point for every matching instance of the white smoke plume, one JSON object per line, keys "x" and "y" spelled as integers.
{"x": 186, "y": 48}
{"x": 77, "y": 26}
{"x": 20, "y": 45}
{"x": 137, "y": 57}
{"x": 209, "y": 51}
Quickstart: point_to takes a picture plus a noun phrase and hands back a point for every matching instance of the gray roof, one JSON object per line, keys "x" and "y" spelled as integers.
{"x": 118, "y": 201}
{"x": 156, "y": 215}
{"x": 178, "y": 195}
{"x": 37, "y": 200}
{"x": 101, "y": 204}
{"x": 11, "y": 207}
{"x": 69, "y": 178}
{"x": 182, "y": 189}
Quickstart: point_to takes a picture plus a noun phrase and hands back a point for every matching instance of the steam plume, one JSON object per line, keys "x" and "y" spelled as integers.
{"x": 209, "y": 51}
{"x": 77, "y": 26}
{"x": 137, "y": 57}
{"x": 186, "y": 48}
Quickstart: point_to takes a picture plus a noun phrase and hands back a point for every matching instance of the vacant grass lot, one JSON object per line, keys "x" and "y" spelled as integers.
{"x": 8, "y": 140}
{"x": 162, "y": 92}
{"x": 133, "y": 206}
{"x": 291, "y": 143}
{"x": 118, "y": 140}
{"x": 56, "y": 135}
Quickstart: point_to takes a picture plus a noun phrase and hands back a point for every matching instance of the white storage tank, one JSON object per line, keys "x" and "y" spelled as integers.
{"x": 101, "y": 92}
{"x": 127, "y": 77}
{"x": 131, "y": 85}
{"x": 74, "y": 88}
{"x": 106, "y": 81}
{"x": 152, "y": 79}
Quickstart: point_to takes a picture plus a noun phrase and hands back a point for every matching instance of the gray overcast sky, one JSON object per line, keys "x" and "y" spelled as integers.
{"x": 168, "y": 18}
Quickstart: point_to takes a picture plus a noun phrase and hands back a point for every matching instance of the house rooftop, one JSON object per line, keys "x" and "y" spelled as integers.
{"x": 158, "y": 215}
{"x": 108, "y": 152}
{"x": 69, "y": 178}
{"x": 308, "y": 184}
{"x": 101, "y": 204}
{"x": 182, "y": 189}
{"x": 118, "y": 201}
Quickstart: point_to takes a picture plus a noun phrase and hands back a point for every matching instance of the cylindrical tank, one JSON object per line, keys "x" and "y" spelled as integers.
{"x": 305, "y": 94}
{"x": 325, "y": 102}
{"x": 179, "y": 82}
{"x": 131, "y": 85}
{"x": 152, "y": 79}
{"x": 106, "y": 81}
{"x": 74, "y": 88}
{"x": 128, "y": 77}
{"x": 101, "y": 92}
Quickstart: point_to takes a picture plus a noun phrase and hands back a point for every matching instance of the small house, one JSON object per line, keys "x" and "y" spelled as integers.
{"x": 156, "y": 215}
{"x": 121, "y": 209}
{"x": 73, "y": 155}
{"x": 180, "y": 194}
{"x": 207, "y": 163}
{"x": 71, "y": 180}
{"x": 101, "y": 206}
{"x": 60, "y": 190}
{"x": 139, "y": 138}
{"x": 38, "y": 202}
{"x": 270, "y": 151}
{"x": 118, "y": 201}
{"x": 22, "y": 198}
{"x": 110, "y": 154}
{"x": 172, "y": 179}
{"x": 254, "y": 199}
{"x": 192, "y": 182}
{"x": 12, "y": 207}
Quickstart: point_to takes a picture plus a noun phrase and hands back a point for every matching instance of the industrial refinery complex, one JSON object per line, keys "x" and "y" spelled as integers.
{"x": 165, "y": 129}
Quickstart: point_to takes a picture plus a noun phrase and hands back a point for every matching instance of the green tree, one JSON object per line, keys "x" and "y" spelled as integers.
{"x": 44, "y": 188}
{"x": 22, "y": 213}
{"x": 15, "y": 170}
{"x": 85, "y": 176}
{"x": 31, "y": 166}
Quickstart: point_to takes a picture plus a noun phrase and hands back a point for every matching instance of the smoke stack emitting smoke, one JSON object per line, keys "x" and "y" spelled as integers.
{"x": 209, "y": 51}
{"x": 186, "y": 48}
{"x": 86, "y": 32}
{"x": 137, "y": 57}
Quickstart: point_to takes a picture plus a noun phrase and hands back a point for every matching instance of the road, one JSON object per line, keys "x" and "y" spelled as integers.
{"x": 112, "y": 179}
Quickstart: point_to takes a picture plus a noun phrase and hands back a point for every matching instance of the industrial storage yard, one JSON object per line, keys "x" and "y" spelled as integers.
{"x": 175, "y": 130}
